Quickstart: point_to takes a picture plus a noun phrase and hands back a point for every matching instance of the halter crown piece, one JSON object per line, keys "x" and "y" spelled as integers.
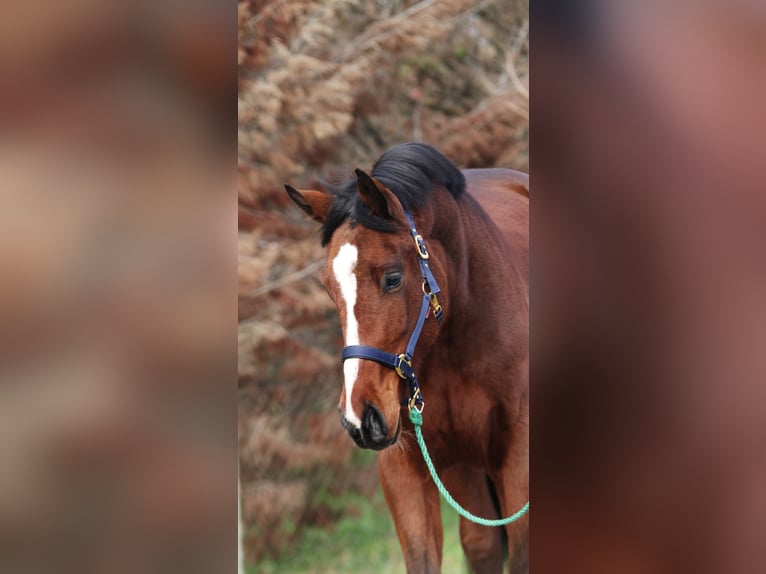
{"x": 402, "y": 363}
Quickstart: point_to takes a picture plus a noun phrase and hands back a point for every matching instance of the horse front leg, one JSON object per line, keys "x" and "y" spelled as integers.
{"x": 414, "y": 505}
{"x": 483, "y": 545}
{"x": 513, "y": 491}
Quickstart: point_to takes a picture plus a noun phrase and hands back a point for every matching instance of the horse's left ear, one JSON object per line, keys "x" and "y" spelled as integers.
{"x": 378, "y": 197}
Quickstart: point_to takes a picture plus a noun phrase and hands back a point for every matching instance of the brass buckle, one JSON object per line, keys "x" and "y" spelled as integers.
{"x": 420, "y": 245}
{"x": 397, "y": 367}
{"x": 411, "y": 405}
{"x": 435, "y": 304}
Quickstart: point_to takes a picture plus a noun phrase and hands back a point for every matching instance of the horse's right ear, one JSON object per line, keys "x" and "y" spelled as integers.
{"x": 314, "y": 203}
{"x": 377, "y": 197}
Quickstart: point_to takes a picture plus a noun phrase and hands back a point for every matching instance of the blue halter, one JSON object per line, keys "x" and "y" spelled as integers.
{"x": 402, "y": 363}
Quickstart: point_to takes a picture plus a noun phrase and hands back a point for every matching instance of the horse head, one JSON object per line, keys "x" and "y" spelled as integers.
{"x": 373, "y": 274}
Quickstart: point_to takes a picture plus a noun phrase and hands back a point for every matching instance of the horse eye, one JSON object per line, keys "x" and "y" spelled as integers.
{"x": 391, "y": 282}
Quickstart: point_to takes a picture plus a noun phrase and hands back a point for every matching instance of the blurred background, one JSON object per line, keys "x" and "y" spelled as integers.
{"x": 648, "y": 309}
{"x": 118, "y": 394}
{"x": 117, "y": 257}
{"x": 325, "y": 87}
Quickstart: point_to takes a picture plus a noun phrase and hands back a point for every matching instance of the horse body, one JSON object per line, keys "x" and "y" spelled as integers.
{"x": 473, "y": 367}
{"x": 475, "y": 387}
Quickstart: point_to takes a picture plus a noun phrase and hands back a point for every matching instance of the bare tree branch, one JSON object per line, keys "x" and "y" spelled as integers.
{"x": 510, "y": 65}
{"x": 285, "y": 280}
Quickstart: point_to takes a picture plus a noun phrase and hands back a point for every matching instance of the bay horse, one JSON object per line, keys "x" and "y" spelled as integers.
{"x": 471, "y": 341}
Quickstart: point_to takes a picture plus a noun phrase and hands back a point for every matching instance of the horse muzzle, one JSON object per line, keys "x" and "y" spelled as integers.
{"x": 373, "y": 433}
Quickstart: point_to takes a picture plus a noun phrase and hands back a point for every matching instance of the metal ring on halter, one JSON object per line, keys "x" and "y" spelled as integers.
{"x": 434, "y": 300}
{"x": 436, "y": 306}
{"x": 420, "y": 244}
{"x": 413, "y": 401}
{"x": 398, "y": 366}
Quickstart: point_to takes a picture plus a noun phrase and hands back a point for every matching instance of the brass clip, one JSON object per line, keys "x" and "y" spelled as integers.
{"x": 412, "y": 404}
{"x": 435, "y": 305}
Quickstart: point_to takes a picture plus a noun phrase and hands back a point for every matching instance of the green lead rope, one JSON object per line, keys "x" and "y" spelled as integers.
{"x": 417, "y": 420}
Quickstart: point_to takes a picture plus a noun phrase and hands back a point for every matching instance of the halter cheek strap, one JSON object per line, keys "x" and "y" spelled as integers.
{"x": 402, "y": 363}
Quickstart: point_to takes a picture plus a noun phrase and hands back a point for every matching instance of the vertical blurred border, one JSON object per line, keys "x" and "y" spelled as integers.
{"x": 648, "y": 310}
{"x": 118, "y": 298}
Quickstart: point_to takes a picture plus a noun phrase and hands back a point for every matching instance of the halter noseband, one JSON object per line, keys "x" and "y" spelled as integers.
{"x": 402, "y": 363}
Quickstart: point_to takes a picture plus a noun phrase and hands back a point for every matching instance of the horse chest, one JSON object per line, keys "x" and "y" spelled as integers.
{"x": 467, "y": 427}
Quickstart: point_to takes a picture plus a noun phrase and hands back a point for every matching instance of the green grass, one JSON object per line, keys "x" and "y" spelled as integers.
{"x": 363, "y": 540}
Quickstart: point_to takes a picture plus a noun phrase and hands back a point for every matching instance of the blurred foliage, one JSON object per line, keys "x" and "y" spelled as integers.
{"x": 363, "y": 540}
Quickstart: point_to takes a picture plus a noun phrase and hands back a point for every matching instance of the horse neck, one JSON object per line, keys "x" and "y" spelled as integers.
{"x": 488, "y": 299}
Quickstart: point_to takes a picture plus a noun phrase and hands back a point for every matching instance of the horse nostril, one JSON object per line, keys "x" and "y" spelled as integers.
{"x": 374, "y": 425}
{"x": 353, "y": 432}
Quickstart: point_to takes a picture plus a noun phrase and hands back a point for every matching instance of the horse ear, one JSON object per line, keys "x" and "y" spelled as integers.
{"x": 314, "y": 203}
{"x": 377, "y": 197}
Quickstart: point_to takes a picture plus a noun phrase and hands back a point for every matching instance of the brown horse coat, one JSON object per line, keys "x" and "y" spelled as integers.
{"x": 473, "y": 368}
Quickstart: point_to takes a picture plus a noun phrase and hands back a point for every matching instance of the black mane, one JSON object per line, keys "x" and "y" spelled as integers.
{"x": 410, "y": 171}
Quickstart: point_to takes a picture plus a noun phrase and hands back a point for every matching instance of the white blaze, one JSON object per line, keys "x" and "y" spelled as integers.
{"x": 343, "y": 267}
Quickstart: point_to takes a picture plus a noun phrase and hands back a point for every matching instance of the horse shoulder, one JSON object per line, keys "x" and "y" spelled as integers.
{"x": 504, "y": 195}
